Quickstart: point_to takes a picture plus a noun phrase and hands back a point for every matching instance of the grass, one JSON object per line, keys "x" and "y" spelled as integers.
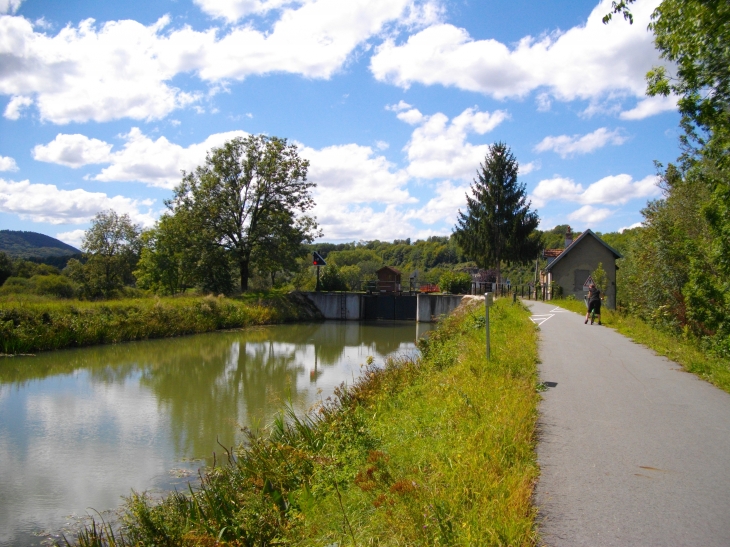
{"x": 680, "y": 349}
{"x": 433, "y": 451}
{"x": 39, "y": 324}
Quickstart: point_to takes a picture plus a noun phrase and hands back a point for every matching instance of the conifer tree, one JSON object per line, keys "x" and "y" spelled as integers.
{"x": 498, "y": 225}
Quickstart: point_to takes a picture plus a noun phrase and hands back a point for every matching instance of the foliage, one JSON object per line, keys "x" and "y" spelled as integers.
{"x": 436, "y": 451}
{"x": 29, "y": 326}
{"x": 455, "y": 282}
{"x": 682, "y": 255}
{"x": 331, "y": 279}
{"x": 169, "y": 259}
{"x": 6, "y": 267}
{"x": 112, "y": 245}
{"x": 248, "y": 194}
{"x": 600, "y": 278}
{"x": 498, "y": 224}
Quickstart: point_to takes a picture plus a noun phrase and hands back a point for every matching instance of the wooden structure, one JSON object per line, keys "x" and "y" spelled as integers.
{"x": 389, "y": 280}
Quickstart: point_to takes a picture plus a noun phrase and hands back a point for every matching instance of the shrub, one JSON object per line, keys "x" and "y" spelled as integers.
{"x": 455, "y": 282}
{"x": 54, "y": 285}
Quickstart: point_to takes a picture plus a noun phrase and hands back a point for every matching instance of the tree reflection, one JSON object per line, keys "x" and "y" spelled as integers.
{"x": 208, "y": 386}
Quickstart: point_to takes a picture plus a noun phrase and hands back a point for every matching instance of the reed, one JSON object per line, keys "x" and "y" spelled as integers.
{"x": 31, "y": 325}
{"x": 438, "y": 450}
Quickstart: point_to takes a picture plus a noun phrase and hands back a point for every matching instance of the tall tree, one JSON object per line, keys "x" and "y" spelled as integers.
{"x": 169, "y": 258}
{"x": 498, "y": 224}
{"x": 693, "y": 35}
{"x": 238, "y": 197}
{"x": 113, "y": 246}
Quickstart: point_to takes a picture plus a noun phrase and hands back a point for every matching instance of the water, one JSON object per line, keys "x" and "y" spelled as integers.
{"x": 79, "y": 429}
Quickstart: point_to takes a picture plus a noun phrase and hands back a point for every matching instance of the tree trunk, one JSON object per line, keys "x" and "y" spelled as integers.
{"x": 243, "y": 265}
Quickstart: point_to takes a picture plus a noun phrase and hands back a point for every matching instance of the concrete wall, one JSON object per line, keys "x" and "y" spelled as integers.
{"x": 331, "y": 305}
{"x": 586, "y": 256}
{"x": 430, "y": 307}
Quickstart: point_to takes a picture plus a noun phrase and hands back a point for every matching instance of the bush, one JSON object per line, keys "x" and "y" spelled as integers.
{"x": 455, "y": 282}
{"x": 332, "y": 280}
{"x": 54, "y": 285}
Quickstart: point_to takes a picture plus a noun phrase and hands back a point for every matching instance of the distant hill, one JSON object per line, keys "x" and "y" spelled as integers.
{"x": 32, "y": 245}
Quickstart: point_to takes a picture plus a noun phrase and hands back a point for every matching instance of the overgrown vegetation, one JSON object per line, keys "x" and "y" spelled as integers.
{"x": 29, "y": 325}
{"x": 436, "y": 451}
{"x": 684, "y": 349}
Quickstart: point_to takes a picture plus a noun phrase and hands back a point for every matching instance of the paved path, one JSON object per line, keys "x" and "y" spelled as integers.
{"x": 633, "y": 450}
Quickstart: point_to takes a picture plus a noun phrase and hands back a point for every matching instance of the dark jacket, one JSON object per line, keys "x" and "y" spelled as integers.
{"x": 594, "y": 295}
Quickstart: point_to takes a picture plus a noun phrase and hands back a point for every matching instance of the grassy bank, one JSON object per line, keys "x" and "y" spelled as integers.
{"x": 437, "y": 451}
{"x": 682, "y": 350}
{"x": 27, "y": 326}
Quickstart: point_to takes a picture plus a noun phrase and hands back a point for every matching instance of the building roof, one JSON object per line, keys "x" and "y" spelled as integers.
{"x": 573, "y": 245}
{"x": 391, "y": 268}
{"x": 554, "y": 253}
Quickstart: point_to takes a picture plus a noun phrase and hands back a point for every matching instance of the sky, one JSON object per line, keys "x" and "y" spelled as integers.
{"x": 393, "y": 102}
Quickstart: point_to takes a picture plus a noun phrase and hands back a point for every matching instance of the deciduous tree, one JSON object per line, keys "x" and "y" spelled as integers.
{"x": 113, "y": 245}
{"x": 239, "y": 197}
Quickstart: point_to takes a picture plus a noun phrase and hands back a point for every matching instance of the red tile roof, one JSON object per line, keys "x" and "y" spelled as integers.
{"x": 552, "y": 253}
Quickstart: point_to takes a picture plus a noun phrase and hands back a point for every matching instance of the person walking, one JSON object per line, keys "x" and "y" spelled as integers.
{"x": 594, "y": 303}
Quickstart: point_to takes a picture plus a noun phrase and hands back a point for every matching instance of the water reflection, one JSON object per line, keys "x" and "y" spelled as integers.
{"x": 80, "y": 428}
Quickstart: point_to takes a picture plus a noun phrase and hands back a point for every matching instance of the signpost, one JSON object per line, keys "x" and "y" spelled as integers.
{"x": 588, "y": 283}
{"x": 318, "y": 261}
{"x": 488, "y": 301}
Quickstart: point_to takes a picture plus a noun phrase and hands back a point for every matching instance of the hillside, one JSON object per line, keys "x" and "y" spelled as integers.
{"x": 28, "y": 245}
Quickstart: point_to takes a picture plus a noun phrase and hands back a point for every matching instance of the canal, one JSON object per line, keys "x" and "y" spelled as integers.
{"x": 80, "y": 429}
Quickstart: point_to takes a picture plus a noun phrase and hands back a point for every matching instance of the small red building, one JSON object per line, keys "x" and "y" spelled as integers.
{"x": 388, "y": 280}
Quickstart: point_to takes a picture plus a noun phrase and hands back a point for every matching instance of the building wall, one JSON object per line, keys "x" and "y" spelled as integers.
{"x": 586, "y": 256}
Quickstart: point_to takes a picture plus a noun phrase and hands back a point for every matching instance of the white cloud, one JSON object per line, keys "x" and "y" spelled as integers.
{"x": 73, "y": 151}
{"x": 634, "y": 225}
{"x": 566, "y": 146}
{"x": 9, "y": 6}
{"x": 612, "y": 190}
{"x": 347, "y": 223}
{"x": 444, "y": 206}
{"x": 233, "y": 10}
{"x": 526, "y": 168}
{"x": 589, "y": 214}
{"x": 586, "y": 61}
{"x": 402, "y": 105}
{"x": 46, "y": 203}
{"x": 555, "y": 188}
{"x": 438, "y": 147}
{"x": 350, "y": 173}
{"x": 649, "y": 107}
{"x": 411, "y": 117}
{"x": 73, "y": 237}
{"x": 158, "y": 162}
{"x": 8, "y": 164}
{"x": 154, "y": 162}
{"x": 544, "y": 103}
{"x": 124, "y": 69}
{"x": 16, "y": 105}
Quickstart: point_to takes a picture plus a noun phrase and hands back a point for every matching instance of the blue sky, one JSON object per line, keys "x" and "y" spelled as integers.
{"x": 394, "y": 102}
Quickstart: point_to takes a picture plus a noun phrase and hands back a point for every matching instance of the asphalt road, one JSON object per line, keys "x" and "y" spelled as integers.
{"x": 632, "y": 449}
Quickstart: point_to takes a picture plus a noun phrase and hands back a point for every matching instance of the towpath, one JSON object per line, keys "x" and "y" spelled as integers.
{"x": 632, "y": 449}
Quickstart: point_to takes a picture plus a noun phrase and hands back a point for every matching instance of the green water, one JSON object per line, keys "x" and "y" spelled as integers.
{"x": 79, "y": 429}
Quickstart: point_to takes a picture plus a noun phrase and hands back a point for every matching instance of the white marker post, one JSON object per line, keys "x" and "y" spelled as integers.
{"x": 488, "y": 301}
